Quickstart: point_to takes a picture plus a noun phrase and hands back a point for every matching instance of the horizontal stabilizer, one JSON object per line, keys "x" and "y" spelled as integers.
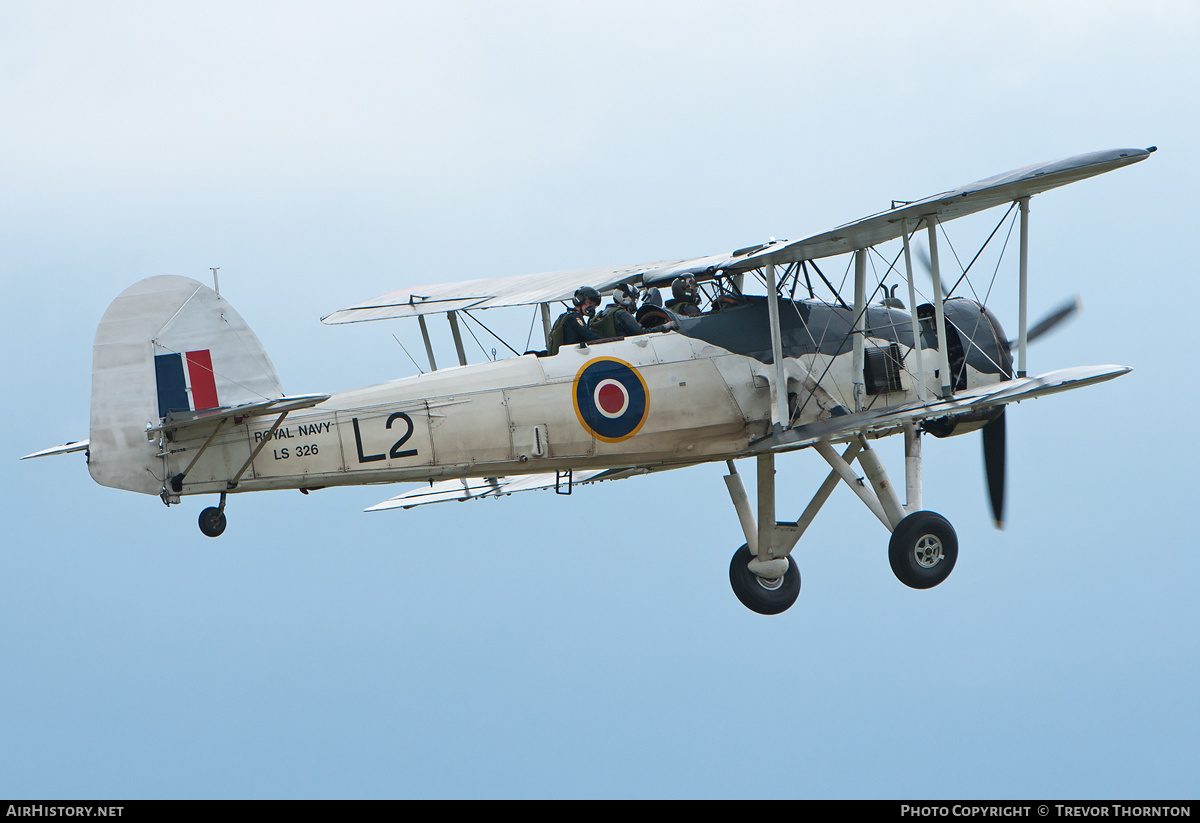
{"x": 73, "y": 446}
{"x": 176, "y": 421}
{"x": 473, "y": 488}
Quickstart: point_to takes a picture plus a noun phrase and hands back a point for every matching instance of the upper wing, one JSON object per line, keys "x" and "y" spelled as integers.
{"x": 528, "y": 289}
{"x": 969, "y": 199}
{"x": 519, "y": 290}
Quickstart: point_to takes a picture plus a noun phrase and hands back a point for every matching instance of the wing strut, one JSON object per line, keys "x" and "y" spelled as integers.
{"x": 782, "y": 418}
{"x": 458, "y": 344}
{"x": 1023, "y": 288}
{"x": 428, "y": 344}
{"x": 916, "y": 323}
{"x": 546, "y": 325}
{"x": 860, "y": 325}
{"x": 939, "y": 311}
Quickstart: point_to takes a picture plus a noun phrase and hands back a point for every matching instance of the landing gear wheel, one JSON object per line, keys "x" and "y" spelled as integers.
{"x": 760, "y": 594}
{"x": 923, "y": 550}
{"x": 212, "y": 522}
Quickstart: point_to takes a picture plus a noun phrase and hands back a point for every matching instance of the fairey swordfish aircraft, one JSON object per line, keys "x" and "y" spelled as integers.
{"x": 185, "y": 400}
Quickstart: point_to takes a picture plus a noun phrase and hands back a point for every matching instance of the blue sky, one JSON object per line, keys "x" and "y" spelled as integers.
{"x": 533, "y": 647}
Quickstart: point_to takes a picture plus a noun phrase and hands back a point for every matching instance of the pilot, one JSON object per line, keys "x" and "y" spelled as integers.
{"x": 685, "y": 298}
{"x": 571, "y": 326}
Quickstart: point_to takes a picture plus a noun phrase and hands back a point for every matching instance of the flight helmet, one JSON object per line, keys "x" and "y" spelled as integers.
{"x": 626, "y": 296}
{"x": 586, "y": 293}
{"x": 686, "y": 289}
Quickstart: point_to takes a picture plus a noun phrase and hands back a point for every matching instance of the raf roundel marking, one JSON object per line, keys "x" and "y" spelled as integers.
{"x": 611, "y": 399}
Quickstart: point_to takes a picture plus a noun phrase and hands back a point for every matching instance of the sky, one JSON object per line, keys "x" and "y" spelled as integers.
{"x": 538, "y": 646}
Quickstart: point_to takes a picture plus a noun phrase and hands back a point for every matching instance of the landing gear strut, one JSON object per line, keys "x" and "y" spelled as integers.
{"x": 212, "y": 519}
{"x": 922, "y": 551}
{"x": 763, "y": 574}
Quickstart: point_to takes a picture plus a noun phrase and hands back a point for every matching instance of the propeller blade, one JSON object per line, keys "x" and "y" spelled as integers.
{"x": 993, "y": 465}
{"x": 927, "y": 264}
{"x": 1047, "y": 323}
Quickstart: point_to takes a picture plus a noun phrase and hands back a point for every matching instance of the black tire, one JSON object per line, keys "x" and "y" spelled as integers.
{"x": 212, "y": 522}
{"x": 923, "y": 550}
{"x": 757, "y": 594}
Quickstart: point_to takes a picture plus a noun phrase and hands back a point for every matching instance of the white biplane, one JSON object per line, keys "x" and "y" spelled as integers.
{"x": 185, "y": 400}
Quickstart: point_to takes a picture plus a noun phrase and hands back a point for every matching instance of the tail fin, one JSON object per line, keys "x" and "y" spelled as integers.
{"x": 166, "y": 344}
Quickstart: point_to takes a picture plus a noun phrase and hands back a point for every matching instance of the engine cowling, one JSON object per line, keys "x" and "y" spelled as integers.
{"x": 978, "y": 353}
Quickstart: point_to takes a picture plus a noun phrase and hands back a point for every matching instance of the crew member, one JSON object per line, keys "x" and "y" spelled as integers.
{"x": 617, "y": 320}
{"x": 685, "y": 293}
{"x": 571, "y": 326}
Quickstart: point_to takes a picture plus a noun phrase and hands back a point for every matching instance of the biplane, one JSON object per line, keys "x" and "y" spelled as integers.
{"x": 185, "y": 400}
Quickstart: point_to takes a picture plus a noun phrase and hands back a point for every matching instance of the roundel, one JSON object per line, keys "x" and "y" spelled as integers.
{"x": 611, "y": 400}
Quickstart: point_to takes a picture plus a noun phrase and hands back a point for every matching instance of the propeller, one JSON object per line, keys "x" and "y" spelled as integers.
{"x": 994, "y": 432}
{"x": 1047, "y": 323}
{"x": 927, "y": 264}
{"x": 994, "y": 439}
{"x": 1063, "y": 312}
{"x": 994, "y": 460}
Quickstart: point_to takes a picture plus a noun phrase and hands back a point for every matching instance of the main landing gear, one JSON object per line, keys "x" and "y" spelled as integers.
{"x": 922, "y": 551}
{"x": 212, "y": 519}
{"x": 765, "y": 595}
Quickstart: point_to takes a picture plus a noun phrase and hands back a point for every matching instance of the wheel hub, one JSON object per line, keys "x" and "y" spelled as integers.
{"x": 769, "y": 583}
{"x": 928, "y": 552}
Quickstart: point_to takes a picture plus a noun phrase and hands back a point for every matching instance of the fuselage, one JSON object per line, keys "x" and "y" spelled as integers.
{"x": 702, "y": 393}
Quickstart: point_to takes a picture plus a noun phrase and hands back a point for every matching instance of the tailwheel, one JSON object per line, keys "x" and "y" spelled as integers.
{"x": 761, "y": 594}
{"x": 212, "y": 522}
{"x": 923, "y": 550}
